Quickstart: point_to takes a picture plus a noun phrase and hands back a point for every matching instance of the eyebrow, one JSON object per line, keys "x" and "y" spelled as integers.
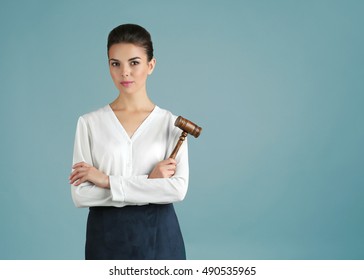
{"x": 130, "y": 59}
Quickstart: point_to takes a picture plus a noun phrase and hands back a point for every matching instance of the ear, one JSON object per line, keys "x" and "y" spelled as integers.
{"x": 151, "y": 65}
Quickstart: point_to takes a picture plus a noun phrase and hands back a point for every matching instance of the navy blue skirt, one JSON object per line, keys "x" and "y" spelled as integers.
{"x": 148, "y": 232}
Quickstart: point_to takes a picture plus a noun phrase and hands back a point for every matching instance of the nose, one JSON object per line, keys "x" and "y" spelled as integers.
{"x": 125, "y": 71}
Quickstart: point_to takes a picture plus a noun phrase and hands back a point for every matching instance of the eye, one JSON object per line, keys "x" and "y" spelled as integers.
{"x": 115, "y": 64}
{"x": 134, "y": 62}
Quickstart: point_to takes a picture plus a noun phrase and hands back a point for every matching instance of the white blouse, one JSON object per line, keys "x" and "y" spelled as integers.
{"x": 102, "y": 142}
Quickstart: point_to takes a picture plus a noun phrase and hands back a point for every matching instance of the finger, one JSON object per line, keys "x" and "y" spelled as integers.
{"x": 167, "y": 165}
{"x": 74, "y": 183}
{"x": 79, "y": 181}
{"x": 172, "y": 170}
{"x": 165, "y": 175}
{"x": 82, "y": 163}
{"x": 170, "y": 173}
{"x": 77, "y": 176}
{"x": 167, "y": 168}
{"x": 73, "y": 173}
{"x": 171, "y": 167}
{"x": 77, "y": 164}
{"x": 171, "y": 161}
{"x": 80, "y": 168}
{"x": 77, "y": 171}
{"x": 74, "y": 179}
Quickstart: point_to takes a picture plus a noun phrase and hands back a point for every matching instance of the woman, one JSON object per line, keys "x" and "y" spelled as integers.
{"x": 121, "y": 167}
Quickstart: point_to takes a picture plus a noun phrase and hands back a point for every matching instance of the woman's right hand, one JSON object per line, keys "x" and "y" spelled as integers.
{"x": 164, "y": 169}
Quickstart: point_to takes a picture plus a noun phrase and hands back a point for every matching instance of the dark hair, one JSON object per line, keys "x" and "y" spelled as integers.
{"x": 133, "y": 34}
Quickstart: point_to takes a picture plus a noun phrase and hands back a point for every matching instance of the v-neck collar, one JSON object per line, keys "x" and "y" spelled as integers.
{"x": 139, "y": 129}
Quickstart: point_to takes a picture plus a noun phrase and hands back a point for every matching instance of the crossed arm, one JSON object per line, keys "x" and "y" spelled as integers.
{"x": 91, "y": 186}
{"x": 85, "y": 172}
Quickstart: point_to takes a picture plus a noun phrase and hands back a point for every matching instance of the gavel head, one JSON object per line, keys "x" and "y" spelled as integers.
{"x": 188, "y": 126}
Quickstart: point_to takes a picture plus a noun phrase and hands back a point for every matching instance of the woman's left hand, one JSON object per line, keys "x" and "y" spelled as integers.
{"x": 85, "y": 172}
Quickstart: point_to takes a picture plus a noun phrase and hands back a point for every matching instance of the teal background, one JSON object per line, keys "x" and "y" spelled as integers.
{"x": 276, "y": 85}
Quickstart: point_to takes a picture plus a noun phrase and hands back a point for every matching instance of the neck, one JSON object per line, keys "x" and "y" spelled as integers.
{"x": 132, "y": 102}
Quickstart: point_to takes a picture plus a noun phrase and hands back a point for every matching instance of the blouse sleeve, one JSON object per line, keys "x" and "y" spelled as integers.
{"x": 140, "y": 189}
{"x": 87, "y": 194}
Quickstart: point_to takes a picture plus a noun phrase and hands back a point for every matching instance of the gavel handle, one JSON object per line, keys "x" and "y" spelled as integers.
{"x": 178, "y": 145}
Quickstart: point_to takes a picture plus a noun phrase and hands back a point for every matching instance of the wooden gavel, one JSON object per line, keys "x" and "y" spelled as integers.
{"x": 188, "y": 127}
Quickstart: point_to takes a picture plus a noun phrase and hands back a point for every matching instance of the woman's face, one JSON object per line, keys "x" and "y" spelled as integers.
{"x": 129, "y": 67}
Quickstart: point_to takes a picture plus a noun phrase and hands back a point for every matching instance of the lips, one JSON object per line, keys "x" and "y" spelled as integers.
{"x": 126, "y": 83}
